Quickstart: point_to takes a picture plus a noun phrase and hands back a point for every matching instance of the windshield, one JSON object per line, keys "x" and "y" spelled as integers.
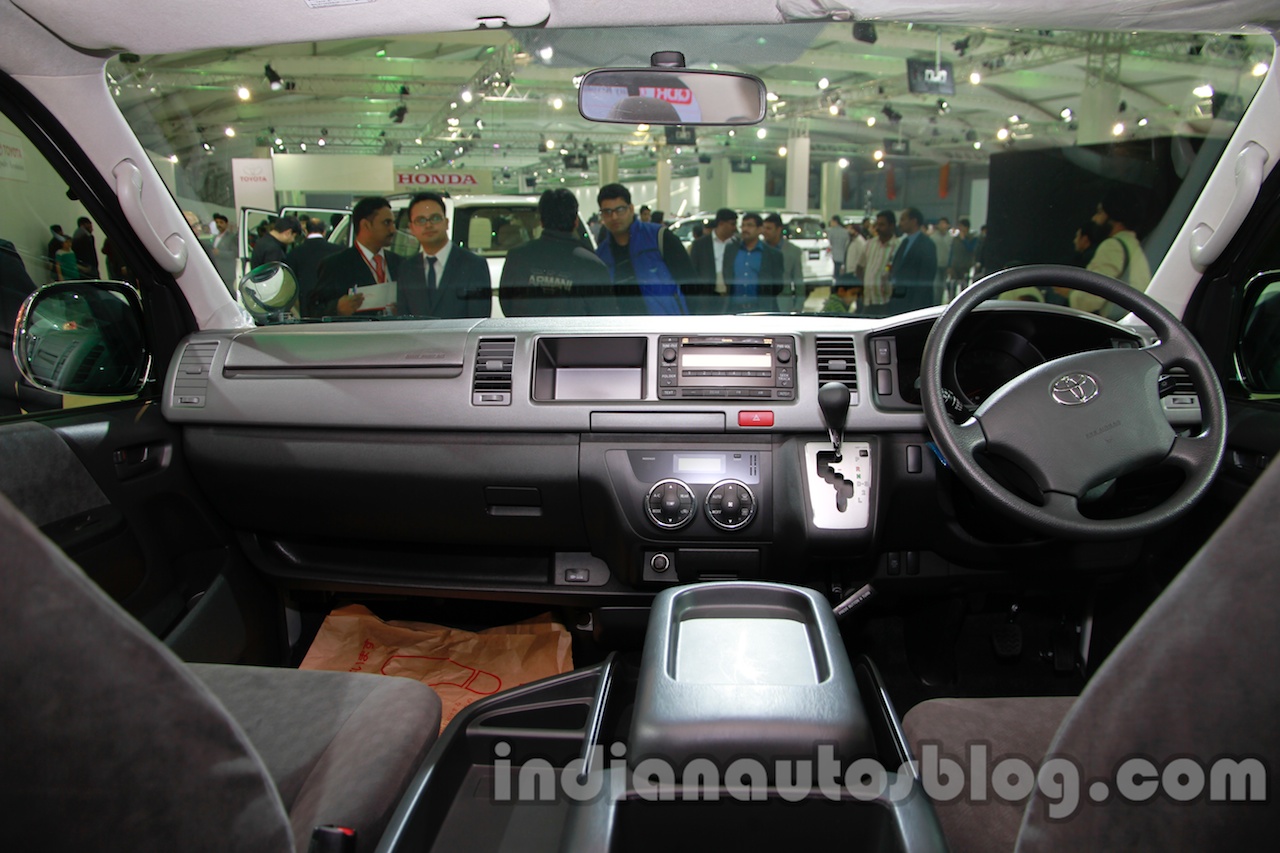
{"x": 895, "y": 170}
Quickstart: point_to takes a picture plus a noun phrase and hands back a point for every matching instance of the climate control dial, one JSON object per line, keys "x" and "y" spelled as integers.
{"x": 731, "y": 505}
{"x": 670, "y": 504}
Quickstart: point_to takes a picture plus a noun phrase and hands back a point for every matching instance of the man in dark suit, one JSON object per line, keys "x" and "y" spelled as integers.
{"x": 444, "y": 279}
{"x": 915, "y": 265}
{"x": 555, "y": 275}
{"x": 367, "y": 262}
{"x": 707, "y": 293}
{"x": 86, "y": 252}
{"x": 752, "y": 270}
{"x": 305, "y": 259}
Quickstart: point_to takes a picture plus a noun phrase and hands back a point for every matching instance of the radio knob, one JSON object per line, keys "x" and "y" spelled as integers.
{"x": 669, "y": 504}
{"x": 784, "y": 356}
{"x": 669, "y": 355}
{"x": 731, "y": 505}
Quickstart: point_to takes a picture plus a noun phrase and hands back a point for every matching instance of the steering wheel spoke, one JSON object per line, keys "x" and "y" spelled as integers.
{"x": 1063, "y": 506}
{"x": 970, "y": 436}
{"x": 1191, "y": 454}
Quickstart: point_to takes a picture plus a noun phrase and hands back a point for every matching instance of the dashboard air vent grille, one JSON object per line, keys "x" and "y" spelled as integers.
{"x": 838, "y": 362}
{"x": 491, "y": 385}
{"x": 191, "y": 383}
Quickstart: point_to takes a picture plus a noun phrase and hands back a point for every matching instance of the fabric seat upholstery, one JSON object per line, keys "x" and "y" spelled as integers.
{"x": 1194, "y": 678}
{"x": 111, "y": 743}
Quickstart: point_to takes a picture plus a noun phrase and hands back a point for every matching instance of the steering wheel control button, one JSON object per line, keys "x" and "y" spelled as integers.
{"x": 1074, "y": 389}
{"x": 755, "y": 419}
{"x": 883, "y": 355}
{"x": 731, "y": 505}
{"x": 670, "y": 504}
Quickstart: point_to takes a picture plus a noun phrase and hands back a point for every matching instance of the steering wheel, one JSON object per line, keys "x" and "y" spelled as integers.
{"x": 1076, "y": 422}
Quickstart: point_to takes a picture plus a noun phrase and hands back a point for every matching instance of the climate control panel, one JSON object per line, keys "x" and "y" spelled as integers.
{"x": 670, "y": 504}
{"x": 729, "y": 504}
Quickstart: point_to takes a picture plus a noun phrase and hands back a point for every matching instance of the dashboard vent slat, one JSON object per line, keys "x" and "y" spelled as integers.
{"x": 491, "y": 382}
{"x": 191, "y": 383}
{"x": 838, "y": 362}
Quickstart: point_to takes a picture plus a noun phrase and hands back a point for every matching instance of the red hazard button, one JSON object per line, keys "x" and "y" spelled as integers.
{"x": 755, "y": 419}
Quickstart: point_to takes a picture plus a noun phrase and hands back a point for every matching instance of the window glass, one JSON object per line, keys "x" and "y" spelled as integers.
{"x": 44, "y": 237}
{"x": 1020, "y": 139}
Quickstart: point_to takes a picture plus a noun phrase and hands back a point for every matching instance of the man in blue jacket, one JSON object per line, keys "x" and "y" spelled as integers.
{"x": 647, "y": 263}
{"x": 915, "y": 265}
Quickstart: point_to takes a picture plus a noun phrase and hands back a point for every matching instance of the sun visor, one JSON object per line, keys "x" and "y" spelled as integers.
{"x": 1150, "y": 15}
{"x": 113, "y": 24}
{"x": 330, "y": 351}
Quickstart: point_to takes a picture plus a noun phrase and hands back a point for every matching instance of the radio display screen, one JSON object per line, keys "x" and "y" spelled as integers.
{"x": 728, "y": 360}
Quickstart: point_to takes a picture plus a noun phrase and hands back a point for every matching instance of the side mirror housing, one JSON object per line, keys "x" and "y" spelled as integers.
{"x": 84, "y": 338}
{"x": 1258, "y": 350}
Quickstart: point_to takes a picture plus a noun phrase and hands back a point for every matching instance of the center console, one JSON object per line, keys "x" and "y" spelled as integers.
{"x": 744, "y": 724}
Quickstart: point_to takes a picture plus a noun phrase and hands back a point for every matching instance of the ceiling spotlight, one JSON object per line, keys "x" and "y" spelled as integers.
{"x": 550, "y": 143}
{"x": 230, "y": 132}
{"x": 417, "y": 140}
{"x": 302, "y": 145}
{"x": 1066, "y": 114}
{"x": 557, "y": 103}
{"x": 1260, "y": 69}
{"x": 1002, "y": 134}
{"x": 274, "y": 79}
{"x": 546, "y": 53}
{"x": 243, "y": 92}
{"x": 977, "y": 146}
{"x": 467, "y": 96}
{"x": 943, "y": 106}
{"x": 782, "y": 151}
{"x": 453, "y": 121}
{"x": 975, "y": 78}
{"x": 1014, "y": 119}
{"x": 320, "y": 142}
{"x": 834, "y": 109}
{"x": 761, "y": 133}
{"x": 871, "y": 121}
{"x": 1118, "y": 129}
{"x": 824, "y": 83}
{"x": 206, "y": 146}
{"x": 1205, "y": 91}
{"x": 843, "y": 162}
{"x": 878, "y": 155}
{"x": 771, "y": 96}
{"x": 279, "y": 141}
{"x": 479, "y": 124}
{"x": 173, "y": 158}
{"x": 880, "y": 164}
{"x": 1143, "y": 122}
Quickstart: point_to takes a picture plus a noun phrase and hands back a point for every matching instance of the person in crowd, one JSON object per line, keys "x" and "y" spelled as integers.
{"x": 876, "y": 259}
{"x": 981, "y": 259}
{"x": 792, "y": 295}
{"x": 752, "y": 269}
{"x": 642, "y": 254}
{"x": 273, "y": 245}
{"x": 1119, "y": 255}
{"x": 1089, "y": 235}
{"x": 657, "y": 217}
{"x": 960, "y": 258}
{"x": 86, "y": 251}
{"x": 65, "y": 265}
{"x": 367, "y": 262}
{"x": 844, "y": 293}
{"x": 838, "y": 239}
{"x": 442, "y": 280}
{"x": 554, "y": 274}
{"x": 914, "y": 266}
{"x": 942, "y": 239}
{"x": 706, "y": 254}
{"x": 305, "y": 258}
{"x": 223, "y": 250}
{"x": 645, "y": 213}
{"x": 56, "y": 239}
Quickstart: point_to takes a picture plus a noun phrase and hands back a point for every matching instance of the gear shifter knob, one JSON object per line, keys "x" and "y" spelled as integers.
{"x": 833, "y": 400}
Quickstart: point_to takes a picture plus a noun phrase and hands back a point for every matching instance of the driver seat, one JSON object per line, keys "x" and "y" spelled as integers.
{"x": 1195, "y": 678}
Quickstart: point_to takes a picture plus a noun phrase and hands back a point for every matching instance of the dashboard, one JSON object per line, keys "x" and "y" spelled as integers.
{"x": 598, "y": 457}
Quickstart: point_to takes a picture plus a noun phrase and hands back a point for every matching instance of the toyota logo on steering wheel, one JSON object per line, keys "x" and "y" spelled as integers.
{"x": 1075, "y": 389}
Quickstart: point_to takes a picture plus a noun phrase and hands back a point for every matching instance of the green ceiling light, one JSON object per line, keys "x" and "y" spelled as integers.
{"x": 381, "y": 53}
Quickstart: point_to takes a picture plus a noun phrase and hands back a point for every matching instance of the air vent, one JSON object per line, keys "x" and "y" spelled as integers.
{"x": 491, "y": 385}
{"x": 87, "y": 365}
{"x": 191, "y": 382}
{"x": 838, "y": 362}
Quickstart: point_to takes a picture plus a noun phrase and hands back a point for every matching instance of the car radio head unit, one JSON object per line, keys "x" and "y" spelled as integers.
{"x": 742, "y": 367}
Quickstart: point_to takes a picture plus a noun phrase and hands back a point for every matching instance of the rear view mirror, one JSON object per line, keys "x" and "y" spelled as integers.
{"x": 671, "y": 96}
{"x": 83, "y": 337}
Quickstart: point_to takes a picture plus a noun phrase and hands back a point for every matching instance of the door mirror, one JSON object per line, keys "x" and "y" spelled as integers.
{"x": 270, "y": 293}
{"x": 83, "y": 337}
{"x": 1258, "y": 351}
{"x": 671, "y": 96}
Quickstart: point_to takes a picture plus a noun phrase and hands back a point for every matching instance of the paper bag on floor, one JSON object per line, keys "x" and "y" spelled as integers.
{"x": 460, "y": 666}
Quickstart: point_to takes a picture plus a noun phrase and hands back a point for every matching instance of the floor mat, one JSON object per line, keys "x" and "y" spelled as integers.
{"x": 460, "y": 666}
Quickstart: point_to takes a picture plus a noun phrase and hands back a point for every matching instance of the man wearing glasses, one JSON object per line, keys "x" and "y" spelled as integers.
{"x": 443, "y": 280}
{"x": 643, "y": 258}
{"x": 366, "y": 263}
